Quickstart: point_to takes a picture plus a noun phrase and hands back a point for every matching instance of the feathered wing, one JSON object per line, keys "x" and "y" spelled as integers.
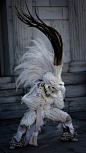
{"x": 34, "y": 63}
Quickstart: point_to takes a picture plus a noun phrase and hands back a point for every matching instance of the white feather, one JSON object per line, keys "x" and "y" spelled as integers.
{"x": 34, "y": 64}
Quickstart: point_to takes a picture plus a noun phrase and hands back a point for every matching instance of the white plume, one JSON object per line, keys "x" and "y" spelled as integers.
{"x": 34, "y": 63}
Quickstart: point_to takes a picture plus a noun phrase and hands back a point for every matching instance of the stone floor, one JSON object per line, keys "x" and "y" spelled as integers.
{"x": 49, "y": 138}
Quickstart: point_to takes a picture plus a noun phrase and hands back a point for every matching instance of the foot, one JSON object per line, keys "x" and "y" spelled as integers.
{"x": 33, "y": 140}
{"x": 67, "y": 136}
{"x": 14, "y": 143}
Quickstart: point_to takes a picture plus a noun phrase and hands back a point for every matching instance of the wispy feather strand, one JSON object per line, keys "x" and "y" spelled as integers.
{"x": 34, "y": 63}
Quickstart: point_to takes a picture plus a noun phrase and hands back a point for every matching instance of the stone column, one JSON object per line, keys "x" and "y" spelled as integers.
{"x": 19, "y": 35}
{"x": 77, "y": 27}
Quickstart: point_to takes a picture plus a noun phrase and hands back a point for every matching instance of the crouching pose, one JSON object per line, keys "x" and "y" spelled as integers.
{"x": 42, "y": 70}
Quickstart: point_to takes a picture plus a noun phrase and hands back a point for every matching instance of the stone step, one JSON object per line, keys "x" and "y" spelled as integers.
{"x": 16, "y": 110}
{"x": 10, "y": 99}
{"x": 71, "y": 104}
{"x": 11, "y": 114}
{"x": 68, "y": 78}
{"x": 78, "y": 66}
{"x": 11, "y": 103}
{"x": 75, "y": 104}
{"x": 12, "y": 106}
{"x": 7, "y": 86}
{"x": 11, "y": 92}
{"x": 75, "y": 90}
{"x": 74, "y": 78}
{"x": 5, "y": 80}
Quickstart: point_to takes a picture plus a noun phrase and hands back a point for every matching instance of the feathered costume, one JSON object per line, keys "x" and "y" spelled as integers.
{"x": 41, "y": 69}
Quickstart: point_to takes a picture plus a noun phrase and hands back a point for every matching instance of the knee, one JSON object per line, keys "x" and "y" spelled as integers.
{"x": 68, "y": 119}
{"x": 28, "y": 119}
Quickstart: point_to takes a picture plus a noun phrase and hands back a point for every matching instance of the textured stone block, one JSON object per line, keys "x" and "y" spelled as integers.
{"x": 50, "y": 12}
{"x": 10, "y": 13}
{"x": 13, "y": 106}
{"x": 9, "y": 2}
{"x": 7, "y": 86}
{"x": 5, "y": 79}
{"x": 11, "y": 92}
{"x": 41, "y": 3}
{"x": 63, "y": 28}
{"x": 58, "y": 2}
{"x": 21, "y": 32}
{"x": 10, "y": 99}
{"x": 76, "y": 90}
{"x": 74, "y": 78}
{"x": 65, "y": 12}
{"x": 12, "y": 114}
{"x": 65, "y": 67}
{"x": 75, "y": 104}
{"x": 77, "y": 66}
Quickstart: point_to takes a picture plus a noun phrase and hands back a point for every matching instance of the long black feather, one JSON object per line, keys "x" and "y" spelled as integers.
{"x": 51, "y": 33}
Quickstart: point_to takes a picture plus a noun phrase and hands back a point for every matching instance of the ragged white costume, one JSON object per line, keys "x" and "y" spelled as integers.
{"x": 46, "y": 97}
{"x": 41, "y": 69}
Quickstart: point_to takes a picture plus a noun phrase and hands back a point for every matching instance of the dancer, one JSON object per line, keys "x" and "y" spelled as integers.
{"x": 41, "y": 69}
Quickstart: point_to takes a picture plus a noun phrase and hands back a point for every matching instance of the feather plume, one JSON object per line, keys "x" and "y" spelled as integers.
{"x": 34, "y": 64}
{"x": 51, "y": 33}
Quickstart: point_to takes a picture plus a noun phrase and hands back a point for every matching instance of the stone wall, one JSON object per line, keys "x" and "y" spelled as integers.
{"x": 54, "y": 13}
{"x": 77, "y": 24}
{"x": 19, "y": 34}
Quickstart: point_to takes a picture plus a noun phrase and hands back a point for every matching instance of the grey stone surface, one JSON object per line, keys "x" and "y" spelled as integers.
{"x": 77, "y": 66}
{"x": 7, "y": 86}
{"x": 10, "y": 12}
{"x": 77, "y": 15}
{"x": 62, "y": 27}
{"x": 65, "y": 67}
{"x": 65, "y": 12}
{"x": 11, "y": 92}
{"x": 21, "y": 33}
{"x": 10, "y": 99}
{"x": 49, "y": 138}
{"x": 9, "y": 3}
{"x": 58, "y": 2}
{"x": 5, "y": 79}
{"x": 76, "y": 90}
{"x": 50, "y": 12}
{"x": 74, "y": 78}
{"x": 73, "y": 104}
{"x": 12, "y": 107}
{"x": 40, "y": 2}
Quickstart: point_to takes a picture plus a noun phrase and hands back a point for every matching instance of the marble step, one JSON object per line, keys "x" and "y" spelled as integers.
{"x": 78, "y": 66}
{"x": 11, "y": 92}
{"x": 16, "y": 110}
{"x": 75, "y": 104}
{"x": 5, "y": 80}
{"x": 68, "y": 78}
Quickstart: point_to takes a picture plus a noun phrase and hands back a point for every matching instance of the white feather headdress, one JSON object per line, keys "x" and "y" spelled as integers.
{"x": 34, "y": 63}
{"x": 38, "y": 60}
